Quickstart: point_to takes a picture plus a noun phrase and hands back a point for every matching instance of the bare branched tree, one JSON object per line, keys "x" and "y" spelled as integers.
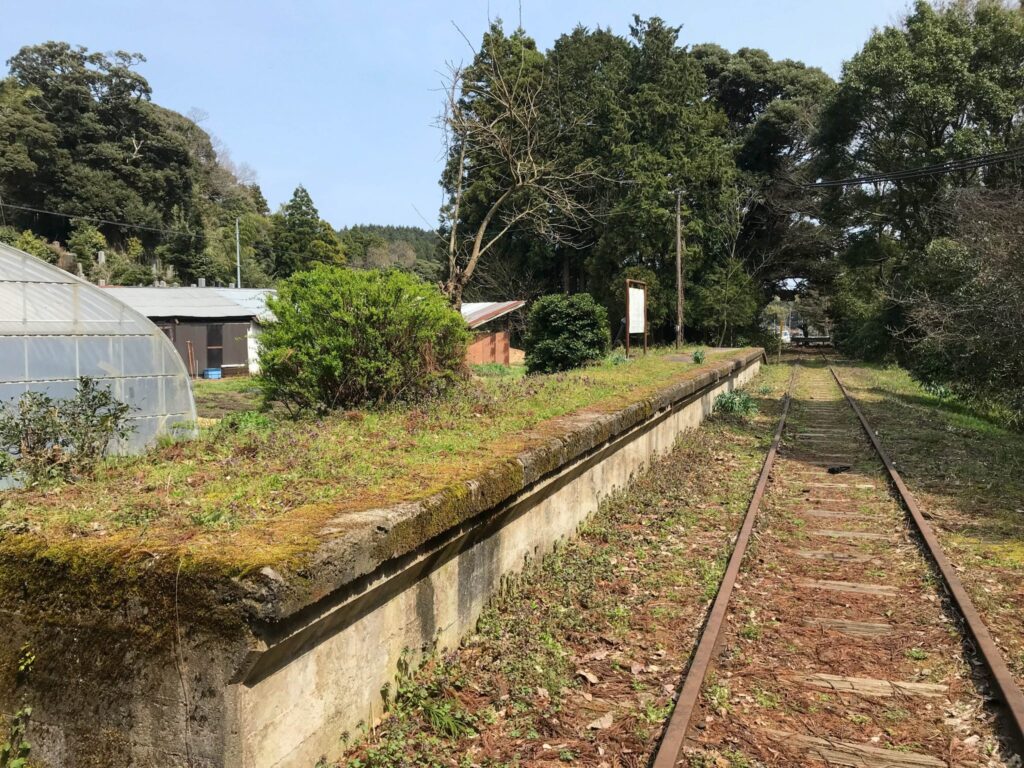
{"x": 964, "y": 299}
{"x": 504, "y": 169}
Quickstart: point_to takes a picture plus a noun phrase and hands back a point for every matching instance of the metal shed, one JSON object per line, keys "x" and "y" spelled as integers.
{"x": 210, "y": 327}
{"x": 55, "y": 327}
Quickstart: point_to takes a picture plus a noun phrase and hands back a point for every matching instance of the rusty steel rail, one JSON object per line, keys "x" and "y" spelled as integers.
{"x": 674, "y": 736}
{"x": 991, "y": 656}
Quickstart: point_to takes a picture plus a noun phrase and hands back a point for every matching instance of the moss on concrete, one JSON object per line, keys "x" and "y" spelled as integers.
{"x": 258, "y": 493}
{"x": 107, "y": 574}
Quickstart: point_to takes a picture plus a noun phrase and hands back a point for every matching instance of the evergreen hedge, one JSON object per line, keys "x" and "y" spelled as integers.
{"x": 565, "y": 332}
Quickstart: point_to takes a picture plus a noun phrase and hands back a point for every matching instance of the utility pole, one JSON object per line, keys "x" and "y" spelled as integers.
{"x": 238, "y": 258}
{"x": 680, "y": 298}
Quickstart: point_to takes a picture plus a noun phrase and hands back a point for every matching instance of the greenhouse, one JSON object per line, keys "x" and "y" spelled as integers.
{"x": 55, "y": 327}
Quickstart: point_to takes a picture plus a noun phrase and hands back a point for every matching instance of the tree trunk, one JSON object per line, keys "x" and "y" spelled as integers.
{"x": 453, "y": 290}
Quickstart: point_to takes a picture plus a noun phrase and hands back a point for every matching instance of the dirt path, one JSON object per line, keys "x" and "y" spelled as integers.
{"x": 839, "y": 649}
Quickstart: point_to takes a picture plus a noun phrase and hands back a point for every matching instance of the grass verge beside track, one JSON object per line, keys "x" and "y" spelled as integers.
{"x": 967, "y": 472}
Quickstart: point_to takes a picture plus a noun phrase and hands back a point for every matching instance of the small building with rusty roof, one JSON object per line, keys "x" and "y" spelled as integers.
{"x": 489, "y": 322}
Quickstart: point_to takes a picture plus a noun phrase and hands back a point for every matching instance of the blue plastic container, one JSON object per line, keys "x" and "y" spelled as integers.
{"x": 211, "y": 373}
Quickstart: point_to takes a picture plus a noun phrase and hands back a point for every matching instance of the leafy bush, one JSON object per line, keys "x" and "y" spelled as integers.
{"x": 14, "y": 753}
{"x": 29, "y": 243}
{"x": 346, "y": 337}
{"x": 941, "y": 391}
{"x": 245, "y": 422}
{"x": 736, "y": 403}
{"x": 565, "y": 332}
{"x": 42, "y": 439}
{"x": 85, "y": 241}
{"x": 699, "y": 355}
{"x": 760, "y": 337}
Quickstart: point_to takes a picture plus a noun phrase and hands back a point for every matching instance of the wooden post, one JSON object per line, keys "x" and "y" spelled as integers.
{"x": 627, "y": 318}
{"x": 679, "y": 268}
{"x": 645, "y": 319}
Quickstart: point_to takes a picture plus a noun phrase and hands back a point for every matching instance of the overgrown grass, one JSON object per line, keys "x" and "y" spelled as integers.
{"x": 737, "y": 403}
{"x": 254, "y": 488}
{"x": 499, "y": 370}
{"x": 216, "y": 398}
{"x": 967, "y": 470}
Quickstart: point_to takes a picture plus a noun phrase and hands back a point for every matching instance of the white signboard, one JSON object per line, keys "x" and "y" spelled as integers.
{"x": 637, "y": 300}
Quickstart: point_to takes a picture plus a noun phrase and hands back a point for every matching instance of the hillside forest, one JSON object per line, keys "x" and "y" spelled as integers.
{"x": 564, "y": 171}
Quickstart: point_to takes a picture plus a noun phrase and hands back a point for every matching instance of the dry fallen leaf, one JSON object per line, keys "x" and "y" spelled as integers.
{"x": 587, "y": 675}
{"x": 604, "y": 721}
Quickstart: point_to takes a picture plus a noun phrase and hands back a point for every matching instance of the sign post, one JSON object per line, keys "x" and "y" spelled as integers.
{"x": 636, "y": 311}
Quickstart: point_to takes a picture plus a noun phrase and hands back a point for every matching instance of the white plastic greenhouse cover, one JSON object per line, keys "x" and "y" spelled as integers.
{"x": 55, "y": 327}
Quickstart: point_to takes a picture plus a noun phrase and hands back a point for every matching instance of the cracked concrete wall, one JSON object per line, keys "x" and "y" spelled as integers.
{"x": 295, "y": 712}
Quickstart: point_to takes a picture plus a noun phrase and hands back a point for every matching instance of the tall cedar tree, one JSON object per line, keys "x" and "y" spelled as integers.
{"x": 301, "y": 239}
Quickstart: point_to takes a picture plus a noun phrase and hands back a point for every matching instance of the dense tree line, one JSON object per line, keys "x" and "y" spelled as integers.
{"x": 927, "y": 269}
{"x": 81, "y": 136}
{"x": 564, "y": 168}
{"x": 383, "y": 246}
{"x": 922, "y": 270}
{"x": 617, "y": 127}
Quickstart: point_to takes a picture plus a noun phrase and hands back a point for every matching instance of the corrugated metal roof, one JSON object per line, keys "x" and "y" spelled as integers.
{"x": 478, "y": 313}
{"x": 251, "y": 298}
{"x": 220, "y": 303}
{"x": 198, "y": 303}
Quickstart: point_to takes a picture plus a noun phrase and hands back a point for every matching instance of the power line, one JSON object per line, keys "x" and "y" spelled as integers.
{"x": 96, "y": 220}
{"x": 949, "y": 166}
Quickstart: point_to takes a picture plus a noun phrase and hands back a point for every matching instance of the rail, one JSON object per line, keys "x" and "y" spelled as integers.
{"x": 670, "y": 748}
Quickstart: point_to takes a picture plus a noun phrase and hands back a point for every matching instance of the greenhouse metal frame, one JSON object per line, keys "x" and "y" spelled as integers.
{"x": 56, "y": 327}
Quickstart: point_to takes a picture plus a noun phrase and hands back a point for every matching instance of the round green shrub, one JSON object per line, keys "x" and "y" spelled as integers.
{"x": 346, "y": 337}
{"x": 565, "y": 332}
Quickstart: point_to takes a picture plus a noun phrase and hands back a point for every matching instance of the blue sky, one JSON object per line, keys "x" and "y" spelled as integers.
{"x": 342, "y": 96}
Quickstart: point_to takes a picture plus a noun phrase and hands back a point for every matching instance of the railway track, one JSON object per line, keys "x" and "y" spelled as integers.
{"x": 841, "y": 634}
